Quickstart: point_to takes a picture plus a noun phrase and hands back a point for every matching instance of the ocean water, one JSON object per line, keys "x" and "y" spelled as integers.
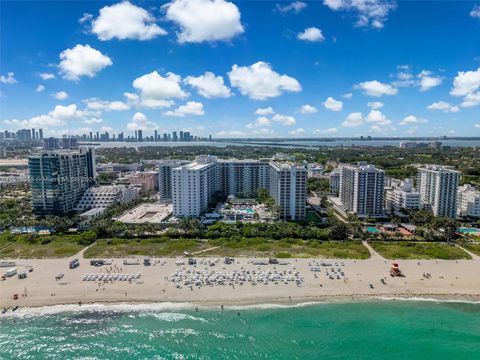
{"x": 368, "y": 330}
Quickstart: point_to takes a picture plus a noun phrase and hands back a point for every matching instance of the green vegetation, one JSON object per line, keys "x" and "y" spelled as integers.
{"x": 419, "y": 250}
{"x": 474, "y": 247}
{"x": 318, "y": 185}
{"x": 30, "y": 246}
{"x": 254, "y": 247}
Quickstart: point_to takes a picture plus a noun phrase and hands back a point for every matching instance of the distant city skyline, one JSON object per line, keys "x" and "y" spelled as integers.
{"x": 330, "y": 68}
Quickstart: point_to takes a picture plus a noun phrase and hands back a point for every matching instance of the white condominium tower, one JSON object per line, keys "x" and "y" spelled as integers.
{"x": 438, "y": 186}
{"x": 288, "y": 186}
{"x": 195, "y": 184}
{"x": 361, "y": 189}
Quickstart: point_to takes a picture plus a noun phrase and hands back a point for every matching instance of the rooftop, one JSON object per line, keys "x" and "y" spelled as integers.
{"x": 153, "y": 213}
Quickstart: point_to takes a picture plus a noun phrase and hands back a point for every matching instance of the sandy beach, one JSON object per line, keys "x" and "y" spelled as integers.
{"x": 361, "y": 279}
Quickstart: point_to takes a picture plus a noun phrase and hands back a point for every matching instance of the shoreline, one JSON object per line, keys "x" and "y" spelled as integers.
{"x": 270, "y": 304}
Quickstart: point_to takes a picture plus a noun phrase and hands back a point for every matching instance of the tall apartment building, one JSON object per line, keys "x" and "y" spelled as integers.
{"x": 361, "y": 189}
{"x": 194, "y": 184}
{"x": 438, "y": 186}
{"x": 243, "y": 177}
{"x": 401, "y": 197}
{"x": 58, "y": 179}
{"x": 164, "y": 169}
{"x": 468, "y": 201}
{"x": 288, "y": 187}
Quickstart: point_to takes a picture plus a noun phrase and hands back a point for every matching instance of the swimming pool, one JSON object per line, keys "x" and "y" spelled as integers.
{"x": 468, "y": 230}
{"x": 372, "y": 229}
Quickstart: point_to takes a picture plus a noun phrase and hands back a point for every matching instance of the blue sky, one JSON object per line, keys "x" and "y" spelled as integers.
{"x": 242, "y": 69}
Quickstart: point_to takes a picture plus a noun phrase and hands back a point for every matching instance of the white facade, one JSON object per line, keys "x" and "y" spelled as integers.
{"x": 468, "y": 201}
{"x": 403, "y": 197}
{"x": 288, "y": 186}
{"x": 438, "y": 187}
{"x": 315, "y": 170}
{"x": 194, "y": 184}
{"x": 104, "y": 196}
{"x": 362, "y": 189}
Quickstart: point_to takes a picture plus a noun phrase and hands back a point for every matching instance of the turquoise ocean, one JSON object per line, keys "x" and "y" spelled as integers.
{"x": 391, "y": 329}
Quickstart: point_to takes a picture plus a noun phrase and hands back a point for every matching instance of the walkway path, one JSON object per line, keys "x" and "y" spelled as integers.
{"x": 205, "y": 250}
{"x": 373, "y": 253}
{"x": 474, "y": 256}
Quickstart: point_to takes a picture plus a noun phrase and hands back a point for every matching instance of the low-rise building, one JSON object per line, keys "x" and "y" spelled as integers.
{"x": 105, "y": 196}
{"x": 468, "y": 201}
{"x": 147, "y": 179}
{"x": 402, "y": 197}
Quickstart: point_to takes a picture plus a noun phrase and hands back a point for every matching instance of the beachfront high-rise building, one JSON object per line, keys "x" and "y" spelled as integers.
{"x": 195, "y": 184}
{"x": 243, "y": 178}
{"x": 288, "y": 187}
{"x": 468, "y": 201}
{"x": 361, "y": 189}
{"x": 438, "y": 186}
{"x": 58, "y": 180}
{"x": 164, "y": 169}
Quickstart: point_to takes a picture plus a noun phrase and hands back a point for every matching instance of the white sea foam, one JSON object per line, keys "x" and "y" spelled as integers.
{"x": 425, "y": 299}
{"x": 98, "y": 307}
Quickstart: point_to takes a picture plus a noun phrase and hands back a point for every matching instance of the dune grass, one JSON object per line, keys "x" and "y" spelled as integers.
{"x": 418, "y": 250}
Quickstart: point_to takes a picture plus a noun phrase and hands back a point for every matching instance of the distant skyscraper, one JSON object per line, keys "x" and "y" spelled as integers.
{"x": 140, "y": 135}
{"x": 181, "y": 136}
{"x": 136, "y": 134}
{"x": 174, "y": 136}
{"x": 33, "y": 134}
{"x": 156, "y": 135}
{"x": 165, "y": 137}
{"x": 40, "y": 134}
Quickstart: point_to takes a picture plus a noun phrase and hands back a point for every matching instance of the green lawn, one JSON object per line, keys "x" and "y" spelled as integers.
{"x": 416, "y": 250}
{"x": 248, "y": 247}
{"x": 42, "y": 247}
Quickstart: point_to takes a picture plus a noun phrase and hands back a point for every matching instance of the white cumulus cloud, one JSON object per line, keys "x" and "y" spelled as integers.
{"x": 125, "y": 21}
{"x": 61, "y": 95}
{"x": 260, "y": 82}
{"x": 312, "y": 34}
{"x": 443, "y": 106}
{"x": 9, "y": 79}
{"x": 308, "y": 109}
{"x": 82, "y": 60}
{"x": 332, "y": 104}
{"x": 354, "y": 119}
{"x": 264, "y": 111}
{"x": 40, "y": 88}
{"x": 376, "y": 88}
{"x": 412, "y": 119}
{"x": 140, "y": 122}
{"x": 371, "y": 13}
{"x": 209, "y": 86}
{"x": 204, "y": 20}
{"x": 260, "y": 122}
{"x": 156, "y": 90}
{"x": 47, "y": 76}
{"x": 375, "y": 105}
{"x": 284, "y": 119}
{"x": 190, "y": 108}
{"x": 101, "y": 105}
{"x": 475, "y": 13}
